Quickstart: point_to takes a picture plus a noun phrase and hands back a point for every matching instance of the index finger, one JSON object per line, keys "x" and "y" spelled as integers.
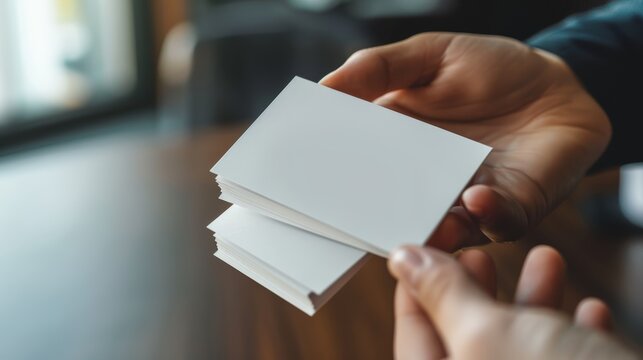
{"x": 415, "y": 335}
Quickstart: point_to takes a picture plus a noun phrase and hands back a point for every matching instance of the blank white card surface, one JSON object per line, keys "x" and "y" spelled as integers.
{"x": 308, "y": 259}
{"x": 377, "y": 175}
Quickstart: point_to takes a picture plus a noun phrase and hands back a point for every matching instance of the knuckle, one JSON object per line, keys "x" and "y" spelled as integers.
{"x": 438, "y": 282}
{"x": 362, "y": 54}
{"x": 427, "y": 36}
{"x": 482, "y": 329}
{"x": 421, "y": 37}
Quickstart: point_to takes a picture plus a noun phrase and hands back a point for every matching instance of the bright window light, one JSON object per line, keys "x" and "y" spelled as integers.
{"x": 62, "y": 55}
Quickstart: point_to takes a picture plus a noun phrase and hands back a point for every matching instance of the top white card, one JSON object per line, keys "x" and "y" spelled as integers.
{"x": 372, "y": 173}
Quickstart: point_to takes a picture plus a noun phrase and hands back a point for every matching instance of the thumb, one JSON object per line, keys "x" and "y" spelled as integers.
{"x": 499, "y": 215}
{"x": 451, "y": 298}
{"x": 371, "y": 73}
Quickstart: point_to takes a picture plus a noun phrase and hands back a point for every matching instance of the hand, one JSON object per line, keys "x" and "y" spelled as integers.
{"x": 446, "y": 309}
{"x": 545, "y": 129}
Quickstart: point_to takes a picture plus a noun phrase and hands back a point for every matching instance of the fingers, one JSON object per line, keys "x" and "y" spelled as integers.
{"x": 373, "y": 72}
{"x": 456, "y": 231}
{"x": 449, "y": 296}
{"x": 414, "y": 334}
{"x": 500, "y": 218}
{"x": 541, "y": 281}
{"x": 593, "y": 313}
{"x": 480, "y": 266}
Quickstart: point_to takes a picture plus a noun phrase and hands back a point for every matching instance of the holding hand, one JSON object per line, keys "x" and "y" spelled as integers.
{"x": 545, "y": 129}
{"x": 446, "y": 308}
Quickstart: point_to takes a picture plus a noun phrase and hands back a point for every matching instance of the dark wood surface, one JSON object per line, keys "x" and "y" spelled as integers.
{"x": 104, "y": 254}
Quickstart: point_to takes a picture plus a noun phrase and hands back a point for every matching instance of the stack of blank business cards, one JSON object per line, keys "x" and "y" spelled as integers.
{"x": 322, "y": 178}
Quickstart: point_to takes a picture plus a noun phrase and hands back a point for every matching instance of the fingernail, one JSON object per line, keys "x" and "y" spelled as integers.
{"x": 405, "y": 261}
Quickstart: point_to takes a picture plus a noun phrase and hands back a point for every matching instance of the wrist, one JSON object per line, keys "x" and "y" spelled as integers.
{"x": 564, "y": 82}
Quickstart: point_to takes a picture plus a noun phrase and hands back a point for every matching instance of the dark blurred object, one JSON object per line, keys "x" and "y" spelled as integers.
{"x": 516, "y": 19}
{"x": 239, "y": 54}
{"x": 617, "y": 208}
{"x": 245, "y": 52}
{"x": 603, "y": 212}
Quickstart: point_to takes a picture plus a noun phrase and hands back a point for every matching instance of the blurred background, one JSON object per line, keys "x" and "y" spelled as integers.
{"x": 67, "y": 61}
{"x": 112, "y": 113}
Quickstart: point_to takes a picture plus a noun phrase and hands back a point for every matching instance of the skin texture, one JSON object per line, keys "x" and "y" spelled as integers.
{"x": 445, "y": 308}
{"x": 546, "y": 130}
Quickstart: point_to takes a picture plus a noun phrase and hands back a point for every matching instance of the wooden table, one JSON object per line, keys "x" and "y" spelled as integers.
{"x": 104, "y": 254}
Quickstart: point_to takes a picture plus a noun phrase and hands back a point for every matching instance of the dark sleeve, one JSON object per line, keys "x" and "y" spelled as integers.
{"x": 604, "y": 48}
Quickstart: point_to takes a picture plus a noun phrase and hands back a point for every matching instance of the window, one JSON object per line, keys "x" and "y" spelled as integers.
{"x": 59, "y": 57}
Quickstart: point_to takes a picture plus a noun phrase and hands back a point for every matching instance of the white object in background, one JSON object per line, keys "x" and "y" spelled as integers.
{"x": 37, "y": 63}
{"x": 42, "y": 43}
{"x": 631, "y": 193}
{"x": 115, "y": 35}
